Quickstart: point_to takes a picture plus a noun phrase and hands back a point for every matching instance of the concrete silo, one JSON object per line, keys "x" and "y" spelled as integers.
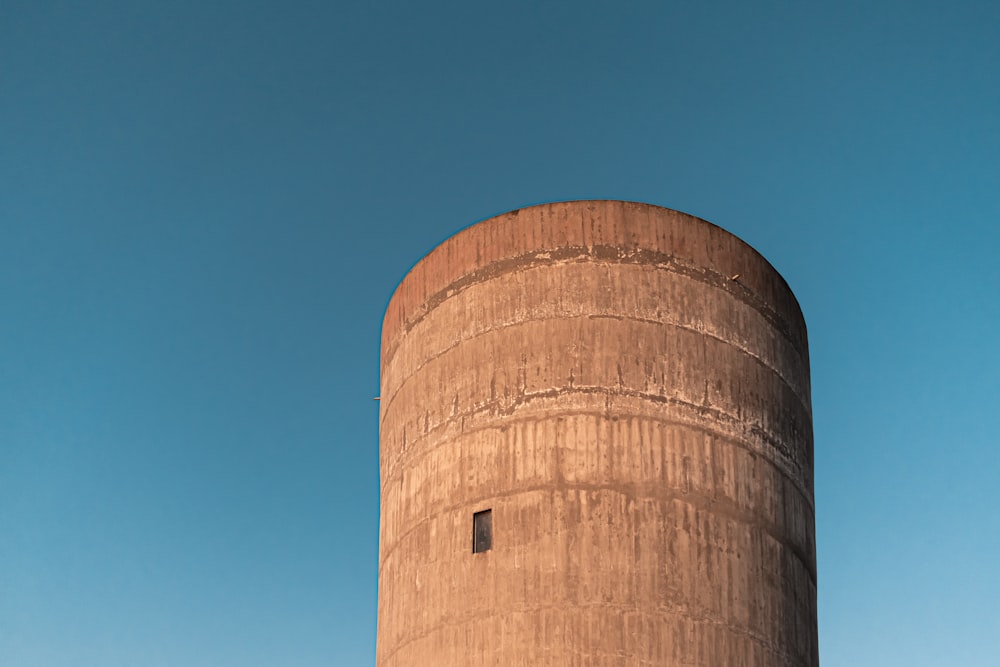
{"x": 596, "y": 449}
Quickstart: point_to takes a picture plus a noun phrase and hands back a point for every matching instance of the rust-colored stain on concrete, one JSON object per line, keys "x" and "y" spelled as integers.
{"x": 626, "y": 389}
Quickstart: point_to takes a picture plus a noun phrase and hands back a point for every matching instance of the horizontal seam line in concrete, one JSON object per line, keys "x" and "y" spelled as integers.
{"x": 724, "y": 341}
{"x": 398, "y": 467}
{"x": 699, "y": 501}
{"x": 582, "y": 254}
{"x": 677, "y": 610}
{"x": 800, "y": 361}
{"x": 507, "y": 413}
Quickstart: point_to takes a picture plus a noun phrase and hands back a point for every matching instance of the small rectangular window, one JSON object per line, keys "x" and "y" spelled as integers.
{"x": 482, "y": 531}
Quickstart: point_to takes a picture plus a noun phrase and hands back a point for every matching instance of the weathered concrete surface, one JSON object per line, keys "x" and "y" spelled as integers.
{"x": 638, "y": 421}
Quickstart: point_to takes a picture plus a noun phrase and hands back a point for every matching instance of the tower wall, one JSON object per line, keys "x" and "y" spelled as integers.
{"x": 636, "y": 418}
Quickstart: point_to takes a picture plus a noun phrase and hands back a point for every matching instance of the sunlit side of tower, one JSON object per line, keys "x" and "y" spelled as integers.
{"x": 596, "y": 449}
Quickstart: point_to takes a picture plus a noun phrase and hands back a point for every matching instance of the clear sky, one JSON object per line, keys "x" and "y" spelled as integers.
{"x": 205, "y": 206}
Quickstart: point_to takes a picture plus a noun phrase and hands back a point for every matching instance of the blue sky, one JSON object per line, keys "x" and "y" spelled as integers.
{"x": 205, "y": 206}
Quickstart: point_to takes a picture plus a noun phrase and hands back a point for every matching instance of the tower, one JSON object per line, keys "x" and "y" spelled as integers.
{"x": 595, "y": 449}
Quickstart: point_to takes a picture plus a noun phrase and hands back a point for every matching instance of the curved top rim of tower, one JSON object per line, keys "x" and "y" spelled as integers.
{"x": 478, "y": 225}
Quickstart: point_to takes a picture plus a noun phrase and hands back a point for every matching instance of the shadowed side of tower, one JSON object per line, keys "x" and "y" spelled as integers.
{"x": 596, "y": 449}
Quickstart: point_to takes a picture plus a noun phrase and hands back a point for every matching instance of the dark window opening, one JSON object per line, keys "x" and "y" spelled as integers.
{"x": 482, "y": 531}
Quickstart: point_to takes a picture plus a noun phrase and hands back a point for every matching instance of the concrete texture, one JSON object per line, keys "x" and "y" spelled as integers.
{"x": 626, "y": 387}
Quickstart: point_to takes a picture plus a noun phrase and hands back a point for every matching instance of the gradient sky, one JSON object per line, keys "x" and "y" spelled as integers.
{"x": 205, "y": 206}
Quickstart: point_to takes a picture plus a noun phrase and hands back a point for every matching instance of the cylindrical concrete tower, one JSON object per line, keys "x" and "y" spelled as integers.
{"x": 596, "y": 449}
